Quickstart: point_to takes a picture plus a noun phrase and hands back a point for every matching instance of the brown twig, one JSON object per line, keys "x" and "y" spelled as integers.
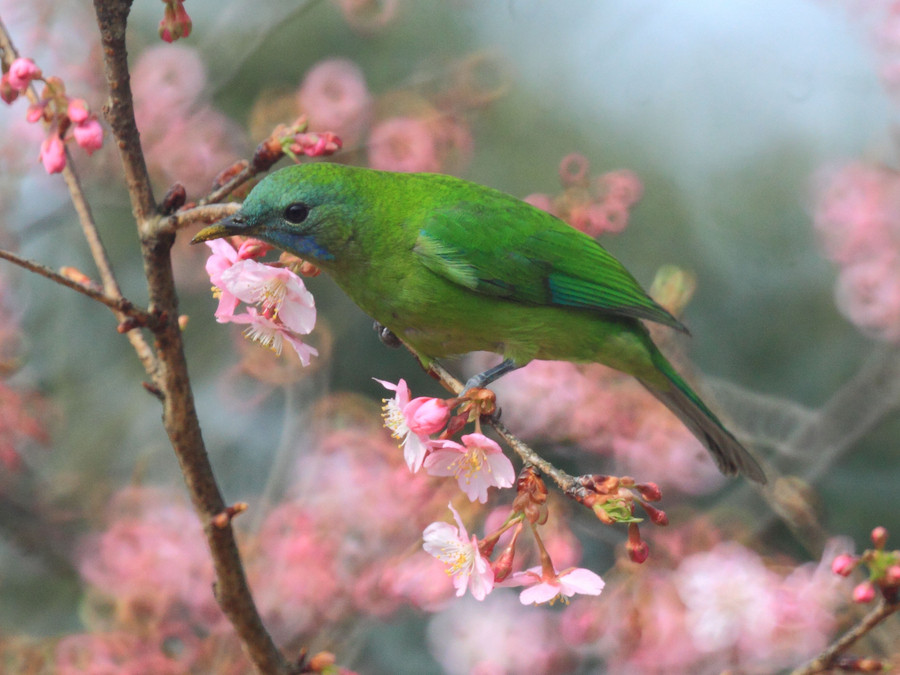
{"x": 88, "y": 224}
{"x": 121, "y": 306}
{"x": 566, "y": 482}
{"x": 829, "y": 657}
{"x": 233, "y": 183}
{"x": 205, "y": 214}
{"x": 170, "y": 376}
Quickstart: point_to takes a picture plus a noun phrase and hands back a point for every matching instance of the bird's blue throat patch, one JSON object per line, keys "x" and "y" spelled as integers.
{"x": 303, "y": 246}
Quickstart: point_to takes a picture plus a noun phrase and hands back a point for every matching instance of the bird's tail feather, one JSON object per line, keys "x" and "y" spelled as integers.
{"x": 730, "y": 456}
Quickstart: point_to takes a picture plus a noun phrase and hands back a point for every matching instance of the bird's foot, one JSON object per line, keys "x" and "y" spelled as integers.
{"x": 387, "y": 336}
{"x": 482, "y": 380}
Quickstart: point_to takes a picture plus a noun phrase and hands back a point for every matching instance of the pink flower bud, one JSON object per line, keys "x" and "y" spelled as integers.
{"x": 35, "y": 113}
{"x": 53, "y": 154}
{"x": 843, "y": 564}
{"x": 892, "y": 576}
{"x": 502, "y": 566}
{"x": 89, "y": 135}
{"x": 879, "y": 537}
{"x": 77, "y": 110}
{"x": 426, "y": 415}
{"x": 863, "y": 593}
{"x": 21, "y": 73}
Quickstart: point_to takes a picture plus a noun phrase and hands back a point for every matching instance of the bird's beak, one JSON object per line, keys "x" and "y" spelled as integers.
{"x": 224, "y": 228}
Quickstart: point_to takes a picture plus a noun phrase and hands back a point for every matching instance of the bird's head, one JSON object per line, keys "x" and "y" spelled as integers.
{"x": 305, "y": 209}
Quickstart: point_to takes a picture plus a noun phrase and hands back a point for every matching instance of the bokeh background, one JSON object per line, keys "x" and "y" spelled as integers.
{"x": 736, "y": 117}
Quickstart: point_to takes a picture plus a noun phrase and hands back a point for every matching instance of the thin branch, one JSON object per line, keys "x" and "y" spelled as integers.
{"x": 88, "y": 225}
{"x": 245, "y": 174}
{"x": 828, "y": 658}
{"x": 121, "y": 306}
{"x": 200, "y": 214}
{"x": 566, "y": 482}
{"x": 112, "y": 18}
{"x": 171, "y": 377}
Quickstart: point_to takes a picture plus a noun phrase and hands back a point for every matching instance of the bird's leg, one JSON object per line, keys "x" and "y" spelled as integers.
{"x": 386, "y": 335}
{"x": 483, "y": 379}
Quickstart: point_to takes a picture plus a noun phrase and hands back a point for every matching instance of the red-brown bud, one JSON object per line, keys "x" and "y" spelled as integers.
{"x": 637, "y": 549}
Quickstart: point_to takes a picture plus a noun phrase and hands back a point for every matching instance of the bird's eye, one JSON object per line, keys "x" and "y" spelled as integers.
{"x": 296, "y": 213}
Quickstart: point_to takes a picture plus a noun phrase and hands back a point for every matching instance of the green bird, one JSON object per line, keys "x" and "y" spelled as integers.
{"x": 451, "y": 267}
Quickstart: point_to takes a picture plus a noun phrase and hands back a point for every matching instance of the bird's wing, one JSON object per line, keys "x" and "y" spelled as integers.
{"x": 543, "y": 263}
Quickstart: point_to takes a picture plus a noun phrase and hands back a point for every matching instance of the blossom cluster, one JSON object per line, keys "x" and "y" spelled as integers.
{"x": 857, "y": 217}
{"x": 185, "y": 137}
{"x": 408, "y": 130}
{"x": 59, "y": 111}
{"x": 708, "y": 605}
{"x": 478, "y": 463}
{"x": 278, "y": 308}
{"x": 316, "y": 558}
{"x": 884, "y": 570}
{"x": 593, "y": 204}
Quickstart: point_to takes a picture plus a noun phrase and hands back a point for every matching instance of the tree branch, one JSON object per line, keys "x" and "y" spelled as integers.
{"x": 121, "y": 306}
{"x": 88, "y": 227}
{"x": 828, "y": 658}
{"x": 171, "y": 374}
{"x": 112, "y": 18}
{"x": 200, "y": 214}
{"x": 566, "y": 482}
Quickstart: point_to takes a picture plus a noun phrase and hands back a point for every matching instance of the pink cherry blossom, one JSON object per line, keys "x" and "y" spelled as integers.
{"x": 543, "y": 588}
{"x": 452, "y": 546}
{"x": 415, "y": 445}
{"x": 21, "y": 72}
{"x": 281, "y": 293}
{"x": 868, "y": 294}
{"x": 222, "y": 258}
{"x": 273, "y": 334}
{"x": 167, "y": 81}
{"x": 335, "y": 98}
{"x": 152, "y": 552}
{"x": 89, "y": 135}
{"x": 730, "y": 598}
{"x": 53, "y": 154}
{"x": 499, "y": 637}
{"x": 403, "y": 144}
{"x": 477, "y": 465}
{"x": 542, "y": 201}
{"x": 288, "y": 309}
{"x": 856, "y": 206}
{"x": 295, "y": 580}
